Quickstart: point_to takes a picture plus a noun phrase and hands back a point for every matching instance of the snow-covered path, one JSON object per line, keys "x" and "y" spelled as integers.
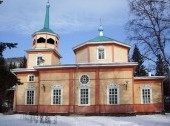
{"x": 139, "y": 120}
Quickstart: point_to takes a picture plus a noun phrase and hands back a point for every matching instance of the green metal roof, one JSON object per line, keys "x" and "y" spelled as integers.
{"x": 46, "y": 30}
{"x": 100, "y": 39}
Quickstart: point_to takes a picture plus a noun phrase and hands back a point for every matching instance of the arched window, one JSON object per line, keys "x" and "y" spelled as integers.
{"x": 50, "y": 41}
{"x": 101, "y": 52}
{"x": 41, "y": 40}
{"x": 146, "y": 94}
{"x": 113, "y": 94}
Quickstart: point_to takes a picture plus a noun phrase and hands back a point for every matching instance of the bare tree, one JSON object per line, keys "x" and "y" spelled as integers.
{"x": 149, "y": 27}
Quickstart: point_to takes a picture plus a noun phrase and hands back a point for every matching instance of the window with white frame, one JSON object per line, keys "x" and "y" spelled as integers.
{"x": 84, "y": 91}
{"x": 56, "y": 95}
{"x": 30, "y": 96}
{"x": 31, "y": 78}
{"x": 146, "y": 94}
{"x": 40, "y": 60}
{"x": 84, "y": 96}
{"x": 101, "y": 53}
{"x": 113, "y": 94}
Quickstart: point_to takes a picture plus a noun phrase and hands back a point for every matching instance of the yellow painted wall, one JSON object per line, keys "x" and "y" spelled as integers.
{"x": 82, "y": 56}
{"x": 156, "y": 90}
{"x": 91, "y": 86}
{"x": 120, "y": 54}
{"x": 45, "y": 45}
{"x": 119, "y": 78}
{"x": 113, "y": 53}
{"x": 54, "y": 60}
{"x": 94, "y": 57}
{"x": 21, "y": 89}
{"x": 49, "y": 57}
{"x": 50, "y": 79}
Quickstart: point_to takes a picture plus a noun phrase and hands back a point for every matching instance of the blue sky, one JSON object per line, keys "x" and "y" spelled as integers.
{"x": 76, "y": 21}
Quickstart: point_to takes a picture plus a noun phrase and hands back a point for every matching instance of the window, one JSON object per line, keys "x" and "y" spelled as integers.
{"x": 31, "y": 78}
{"x": 84, "y": 96}
{"x": 146, "y": 95}
{"x": 40, "y": 60}
{"x": 41, "y": 40}
{"x": 50, "y": 41}
{"x": 30, "y": 96}
{"x": 101, "y": 53}
{"x": 56, "y": 96}
{"x": 84, "y": 90}
{"x": 113, "y": 94}
{"x": 84, "y": 79}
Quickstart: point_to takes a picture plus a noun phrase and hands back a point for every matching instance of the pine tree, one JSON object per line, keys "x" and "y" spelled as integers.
{"x": 137, "y": 57}
{"x": 23, "y": 64}
{"x": 7, "y": 79}
{"x": 12, "y": 65}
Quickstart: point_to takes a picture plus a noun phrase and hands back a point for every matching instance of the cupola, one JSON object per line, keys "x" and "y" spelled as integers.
{"x": 46, "y": 38}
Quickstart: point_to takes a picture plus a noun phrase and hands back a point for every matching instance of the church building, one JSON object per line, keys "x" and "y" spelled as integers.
{"x": 100, "y": 82}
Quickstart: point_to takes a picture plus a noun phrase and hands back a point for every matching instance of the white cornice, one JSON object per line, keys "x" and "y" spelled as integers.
{"x": 102, "y": 42}
{"x": 149, "y": 77}
{"x": 22, "y": 70}
{"x": 133, "y": 64}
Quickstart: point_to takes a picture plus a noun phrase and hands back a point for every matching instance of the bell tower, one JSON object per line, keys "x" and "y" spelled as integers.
{"x": 45, "y": 45}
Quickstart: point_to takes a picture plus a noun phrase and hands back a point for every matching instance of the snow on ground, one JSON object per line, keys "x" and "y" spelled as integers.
{"x": 139, "y": 120}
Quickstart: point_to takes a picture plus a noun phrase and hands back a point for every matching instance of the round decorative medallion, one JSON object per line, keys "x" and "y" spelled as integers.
{"x": 84, "y": 79}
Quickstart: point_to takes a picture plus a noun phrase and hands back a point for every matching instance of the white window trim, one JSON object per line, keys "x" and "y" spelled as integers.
{"x": 29, "y": 89}
{"x": 118, "y": 93}
{"x": 84, "y": 87}
{"x": 146, "y": 87}
{"x": 39, "y": 55}
{"x": 52, "y": 89}
{"x": 101, "y": 47}
{"x": 28, "y": 78}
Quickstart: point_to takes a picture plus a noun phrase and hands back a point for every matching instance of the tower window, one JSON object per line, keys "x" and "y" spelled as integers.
{"x": 50, "y": 41}
{"x": 101, "y": 53}
{"x": 40, "y": 60}
{"x": 41, "y": 40}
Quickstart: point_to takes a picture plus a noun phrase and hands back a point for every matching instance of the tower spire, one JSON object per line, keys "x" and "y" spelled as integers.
{"x": 46, "y": 22}
{"x": 100, "y": 29}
